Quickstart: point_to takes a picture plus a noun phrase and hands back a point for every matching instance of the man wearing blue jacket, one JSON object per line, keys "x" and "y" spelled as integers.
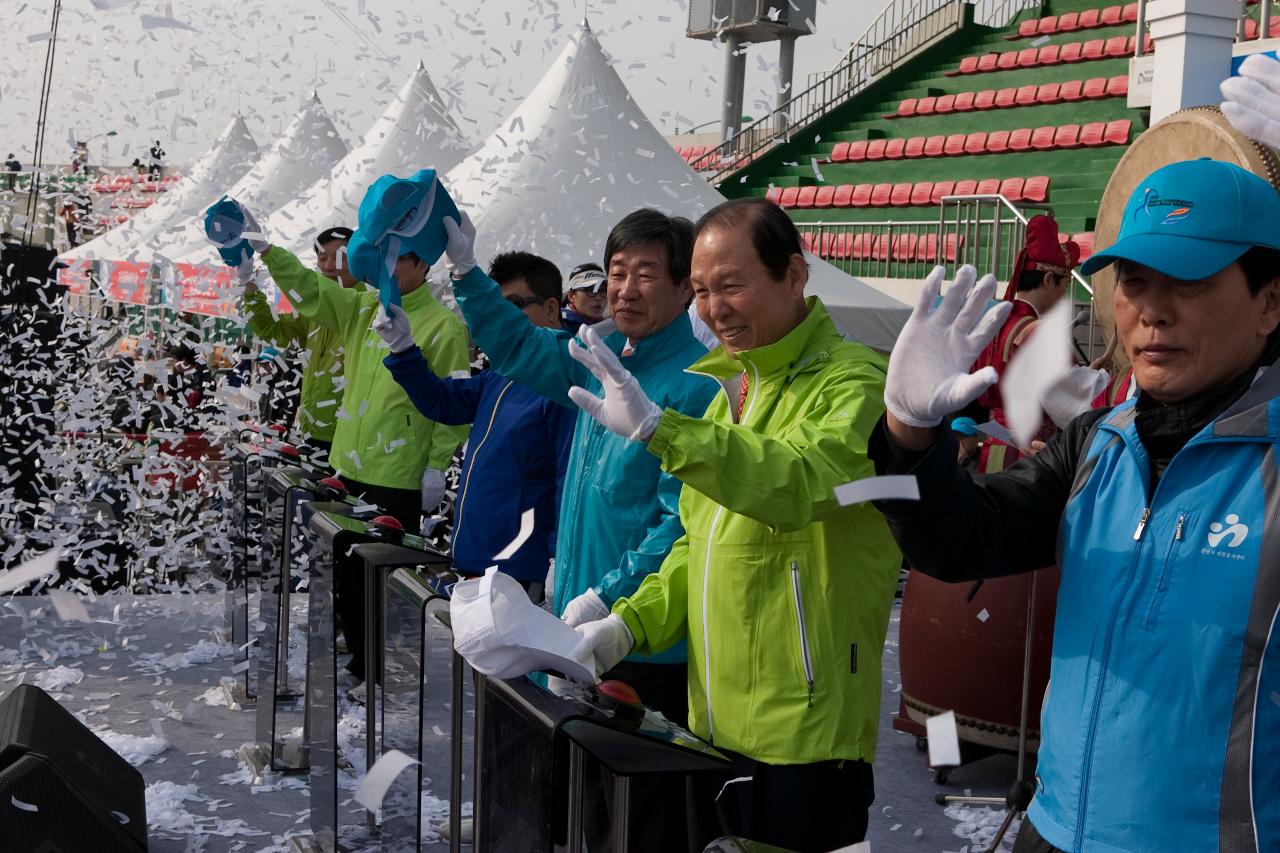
{"x": 1161, "y": 726}
{"x": 519, "y": 442}
{"x": 619, "y": 514}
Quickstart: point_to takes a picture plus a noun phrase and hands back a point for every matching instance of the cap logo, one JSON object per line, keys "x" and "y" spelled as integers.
{"x": 1152, "y": 201}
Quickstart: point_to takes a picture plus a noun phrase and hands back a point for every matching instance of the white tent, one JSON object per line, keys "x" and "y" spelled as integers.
{"x": 310, "y": 146}
{"x": 224, "y": 164}
{"x": 578, "y": 154}
{"x": 412, "y": 133}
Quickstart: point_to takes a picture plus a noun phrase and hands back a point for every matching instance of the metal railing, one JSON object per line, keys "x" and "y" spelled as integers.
{"x": 901, "y": 31}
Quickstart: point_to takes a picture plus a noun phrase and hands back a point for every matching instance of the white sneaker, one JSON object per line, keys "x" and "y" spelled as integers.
{"x": 358, "y": 694}
{"x": 467, "y": 831}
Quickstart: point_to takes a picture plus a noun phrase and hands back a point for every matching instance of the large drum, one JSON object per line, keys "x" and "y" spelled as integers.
{"x": 965, "y": 654}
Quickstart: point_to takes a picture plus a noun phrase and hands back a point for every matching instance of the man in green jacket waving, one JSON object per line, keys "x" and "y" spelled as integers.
{"x": 321, "y": 346}
{"x": 783, "y": 594}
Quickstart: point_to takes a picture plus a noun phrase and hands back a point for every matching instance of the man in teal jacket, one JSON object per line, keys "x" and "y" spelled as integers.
{"x": 618, "y": 514}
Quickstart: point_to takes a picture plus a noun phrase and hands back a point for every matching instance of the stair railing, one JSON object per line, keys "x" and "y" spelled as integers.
{"x": 903, "y": 29}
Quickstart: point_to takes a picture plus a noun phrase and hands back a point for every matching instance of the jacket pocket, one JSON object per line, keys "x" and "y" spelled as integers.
{"x": 1180, "y": 530}
{"x": 802, "y": 629}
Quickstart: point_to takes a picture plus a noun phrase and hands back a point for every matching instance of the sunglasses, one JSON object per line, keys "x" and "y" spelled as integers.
{"x": 523, "y": 301}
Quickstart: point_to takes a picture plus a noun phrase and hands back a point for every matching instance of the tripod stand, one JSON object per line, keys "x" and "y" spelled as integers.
{"x": 1020, "y": 792}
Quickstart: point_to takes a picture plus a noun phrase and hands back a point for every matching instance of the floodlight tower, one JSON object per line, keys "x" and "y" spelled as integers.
{"x": 744, "y": 22}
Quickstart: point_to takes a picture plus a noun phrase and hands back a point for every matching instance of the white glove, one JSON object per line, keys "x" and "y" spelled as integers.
{"x": 1252, "y": 100}
{"x": 253, "y": 232}
{"x": 1071, "y": 395}
{"x": 244, "y": 275}
{"x": 625, "y": 408}
{"x": 460, "y": 250}
{"x": 929, "y": 367}
{"x": 394, "y": 329}
{"x": 587, "y": 607}
{"x": 432, "y": 488}
{"x": 608, "y": 640}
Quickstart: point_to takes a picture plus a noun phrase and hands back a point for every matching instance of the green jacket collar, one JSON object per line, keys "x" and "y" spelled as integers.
{"x": 804, "y": 346}
{"x": 417, "y": 298}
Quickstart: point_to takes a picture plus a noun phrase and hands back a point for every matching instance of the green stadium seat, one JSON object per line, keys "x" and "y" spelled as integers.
{"x": 824, "y": 197}
{"x": 1036, "y": 189}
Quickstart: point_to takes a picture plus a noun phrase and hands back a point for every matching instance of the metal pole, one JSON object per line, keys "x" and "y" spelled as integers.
{"x": 731, "y": 102}
{"x": 291, "y": 497}
{"x": 576, "y": 765}
{"x": 1264, "y": 22}
{"x": 455, "y": 757}
{"x": 372, "y": 645}
{"x": 480, "y": 832}
{"x": 786, "y": 89}
{"x": 621, "y": 813}
{"x": 1140, "y": 48}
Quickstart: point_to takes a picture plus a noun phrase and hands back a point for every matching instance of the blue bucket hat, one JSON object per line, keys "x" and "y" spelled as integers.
{"x": 223, "y": 224}
{"x": 398, "y": 216}
{"x": 1190, "y": 220}
{"x": 965, "y": 426}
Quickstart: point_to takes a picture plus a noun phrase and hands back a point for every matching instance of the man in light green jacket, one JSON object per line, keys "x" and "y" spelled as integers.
{"x": 783, "y": 594}
{"x": 321, "y": 346}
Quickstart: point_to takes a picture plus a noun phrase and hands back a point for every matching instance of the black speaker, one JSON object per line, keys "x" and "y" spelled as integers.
{"x": 62, "y": 790}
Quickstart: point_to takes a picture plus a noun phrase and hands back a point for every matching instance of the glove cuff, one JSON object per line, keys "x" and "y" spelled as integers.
{"x": 911, "y": 420}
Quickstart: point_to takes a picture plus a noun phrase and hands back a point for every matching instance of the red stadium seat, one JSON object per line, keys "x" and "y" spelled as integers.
{"x": 1011, "y": 188}
{"x": 1131, "y": 44}
{"x": 805, "y": 197}
{"x": 808, "y": 240}
{"x": 1130, "y": 13}
{"x": 1042, "y": 138}
{"x": 861, "y": 195}
{"x": 857, "y": 151}
{"x": 976, "y": 142}
{"x": 933, "y": 146}
{"x": 1274, "y": 30}
{"x": 789, "y": 197}
{"x": 1085, "y": 241}
{"x": 952, "y": 246}
{"x": 906, "y": 109}
{"x": 925, "y": 106}
{"x": 915, "y": 148}
{"x": 987, "y": 62}
{"x": 1028, "y": 58}
{"x": 900, "y": 195}
{"x": 921, "y": 194}
{"x": 842, "y": 246}
{"x": 954, "y": 145}
{"x": 1118, "y": 86}
{"x": 1048, "y": 25}
{"x": 1094, "y": 49}
{"x": 1006, "y": 98}
{"x": 1117, "y": 47}
{"x": 998, "y": 142}
{"x": 1008, "y": 61}
{"x": 927, "y": 248}
{"x": 988, "y": 186}
{"x": 1072, "y": 52}
{"x": 968, "y": 65}
{"x": 881, "y": 195}
{"x": 774, "y": 194}
{"x": 1112, "y": 16}
{"x": 966, "y": 187}
{"x": 1095, "y": 87}
{"x": 1069, "y": 22}
{"x": 894, "y": 147}
{"x": 1149, "y": 43}
{"x": 1091, "y": 135}
{"x": 964, "y": 101}
{"x": 1067, "y": 136}
{"x": 1117, "y": 132}
{"x": 875, "y": 149}
{"x": 862, "y": 245}
{"x": 1020, "y": 139}
{"x": 1027, "y": 29}
{"x": 904, "y": 247}
{"x": 880, "y": 246}
{"x": 1036, "y": 189}
{"x": 840, "y": 154}
{"x": 946, "y": 104}
{"x": 843, "y": 196}
{"x": 1050, "y": 54}
{"x": 1090, "y": 19}
{"x": 1072, "y": 90}
{"x": 1026, "y": 95}
{"x": 1049, "y": 93}
{"x": 984, "y": 100}
{"x": 942, "y": 189}
{"x": 824, "y": 197}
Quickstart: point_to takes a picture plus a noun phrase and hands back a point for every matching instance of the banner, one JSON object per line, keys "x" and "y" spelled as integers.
{"x": 127, "y": 281}
{"x": 75, "y": 276}
{"x": 207, "y": 290}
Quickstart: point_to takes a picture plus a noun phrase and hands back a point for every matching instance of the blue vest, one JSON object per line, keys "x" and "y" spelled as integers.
{"x": 1161, "y": 725}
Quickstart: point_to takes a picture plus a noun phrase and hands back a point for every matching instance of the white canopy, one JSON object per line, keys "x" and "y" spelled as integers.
{"x": 579, "y": 154}
{"x": 225, "y": 163}
{"x": 310, "y": 146}
{"x": 412, "y": 133}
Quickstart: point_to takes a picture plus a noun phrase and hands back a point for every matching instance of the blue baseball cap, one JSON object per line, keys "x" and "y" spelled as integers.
{"x": 1190, "y": 220}
{"x": 965, "y": 426}
{"x": 224, "y": 225}
{"x": 398, "y": 216}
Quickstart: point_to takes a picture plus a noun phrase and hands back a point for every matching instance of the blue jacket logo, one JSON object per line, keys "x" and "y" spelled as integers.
{"x": 1233, "y": 528}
